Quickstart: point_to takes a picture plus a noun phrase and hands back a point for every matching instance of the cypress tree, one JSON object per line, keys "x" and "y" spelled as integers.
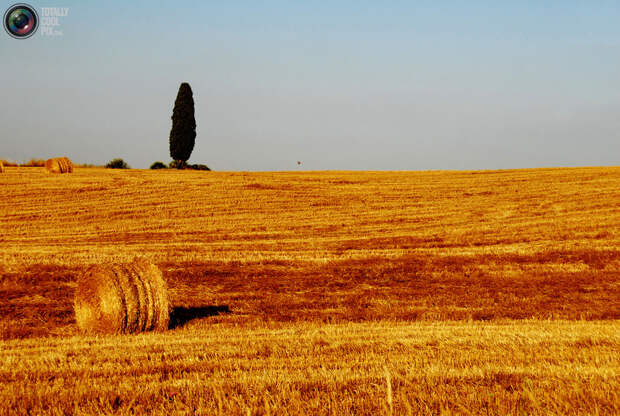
{"x": 183, "y": 133}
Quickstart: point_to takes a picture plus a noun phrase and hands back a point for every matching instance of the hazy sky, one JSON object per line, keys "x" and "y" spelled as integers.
{"x": 337, "y": 85}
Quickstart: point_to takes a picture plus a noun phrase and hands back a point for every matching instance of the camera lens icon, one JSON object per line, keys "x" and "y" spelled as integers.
{"x": 21, "y": 21}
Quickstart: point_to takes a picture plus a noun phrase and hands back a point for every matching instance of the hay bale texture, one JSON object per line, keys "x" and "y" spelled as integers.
{"x": 59, "y": 165}
{"x": 1, "y": 167}
{"x": 122, "y": 299}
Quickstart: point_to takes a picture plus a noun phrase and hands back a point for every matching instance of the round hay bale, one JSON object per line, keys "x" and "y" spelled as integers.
{"x": 122, "y": 299}
{"x": 158, "y": 295}
{"x": 59, "y": 165}
{"x": 144, "y": 296}
{"x": 63, "y": 165}
{"x": 69, "y": 165}
{"x": 51, "y": 165}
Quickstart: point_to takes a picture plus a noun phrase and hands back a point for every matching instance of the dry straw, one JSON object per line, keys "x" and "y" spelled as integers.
{"x": 59, "y": 165}
{"x": 1, "y": 167}
{"x": 121, "y": 299}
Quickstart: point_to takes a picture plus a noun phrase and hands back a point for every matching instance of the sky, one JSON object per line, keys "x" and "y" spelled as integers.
{"x": 360, "y": 85}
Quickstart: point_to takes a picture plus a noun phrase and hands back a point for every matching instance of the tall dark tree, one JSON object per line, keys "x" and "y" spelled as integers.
{"x": 183, "y": 133}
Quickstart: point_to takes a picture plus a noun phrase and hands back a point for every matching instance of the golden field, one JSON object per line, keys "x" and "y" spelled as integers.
{"x": 524, "y": 367}
{"x": 469, "y": 292}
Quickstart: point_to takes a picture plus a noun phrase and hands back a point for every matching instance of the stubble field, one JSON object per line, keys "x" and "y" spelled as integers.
{"x": 319, "y": 292}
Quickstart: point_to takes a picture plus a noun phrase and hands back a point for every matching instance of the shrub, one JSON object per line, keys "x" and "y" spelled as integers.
{"x": 9, "y": 163}
{"x": 117, "y": 163}
{"x": 178, "y": 164}
{"x": 86, "y": 165}
{"x": 159, "y": 165}
{"x": 199, "y": 167}
{"x": 38, "y": 163}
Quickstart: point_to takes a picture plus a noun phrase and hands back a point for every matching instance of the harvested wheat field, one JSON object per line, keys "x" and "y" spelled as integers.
{"x": 465, "y": 292}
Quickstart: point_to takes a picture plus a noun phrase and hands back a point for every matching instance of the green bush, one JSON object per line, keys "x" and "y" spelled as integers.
{"x": 198, "y": 167}
{"x": 159, "y": 165}
{"x": 177, "y": 164}
{"x": 117, "y": 163}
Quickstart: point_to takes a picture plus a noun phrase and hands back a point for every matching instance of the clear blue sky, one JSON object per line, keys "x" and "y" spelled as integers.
{"x": 337, "y": 85}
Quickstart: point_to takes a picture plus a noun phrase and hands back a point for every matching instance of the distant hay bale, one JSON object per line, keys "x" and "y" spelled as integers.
{"x": 122, "y": 299}
{"x": 59, "y": 165}
{"x": 52, "y": 166}
{"x": 66, "y": 163}
{"x": 69, "y": 164}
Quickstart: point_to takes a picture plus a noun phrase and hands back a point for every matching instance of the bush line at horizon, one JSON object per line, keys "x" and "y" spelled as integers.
{"x": 32, "y": 163}
{"x": 117, "y": 163}
{"x": 177, "y": 164}
{"x": 40, "y": 163}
